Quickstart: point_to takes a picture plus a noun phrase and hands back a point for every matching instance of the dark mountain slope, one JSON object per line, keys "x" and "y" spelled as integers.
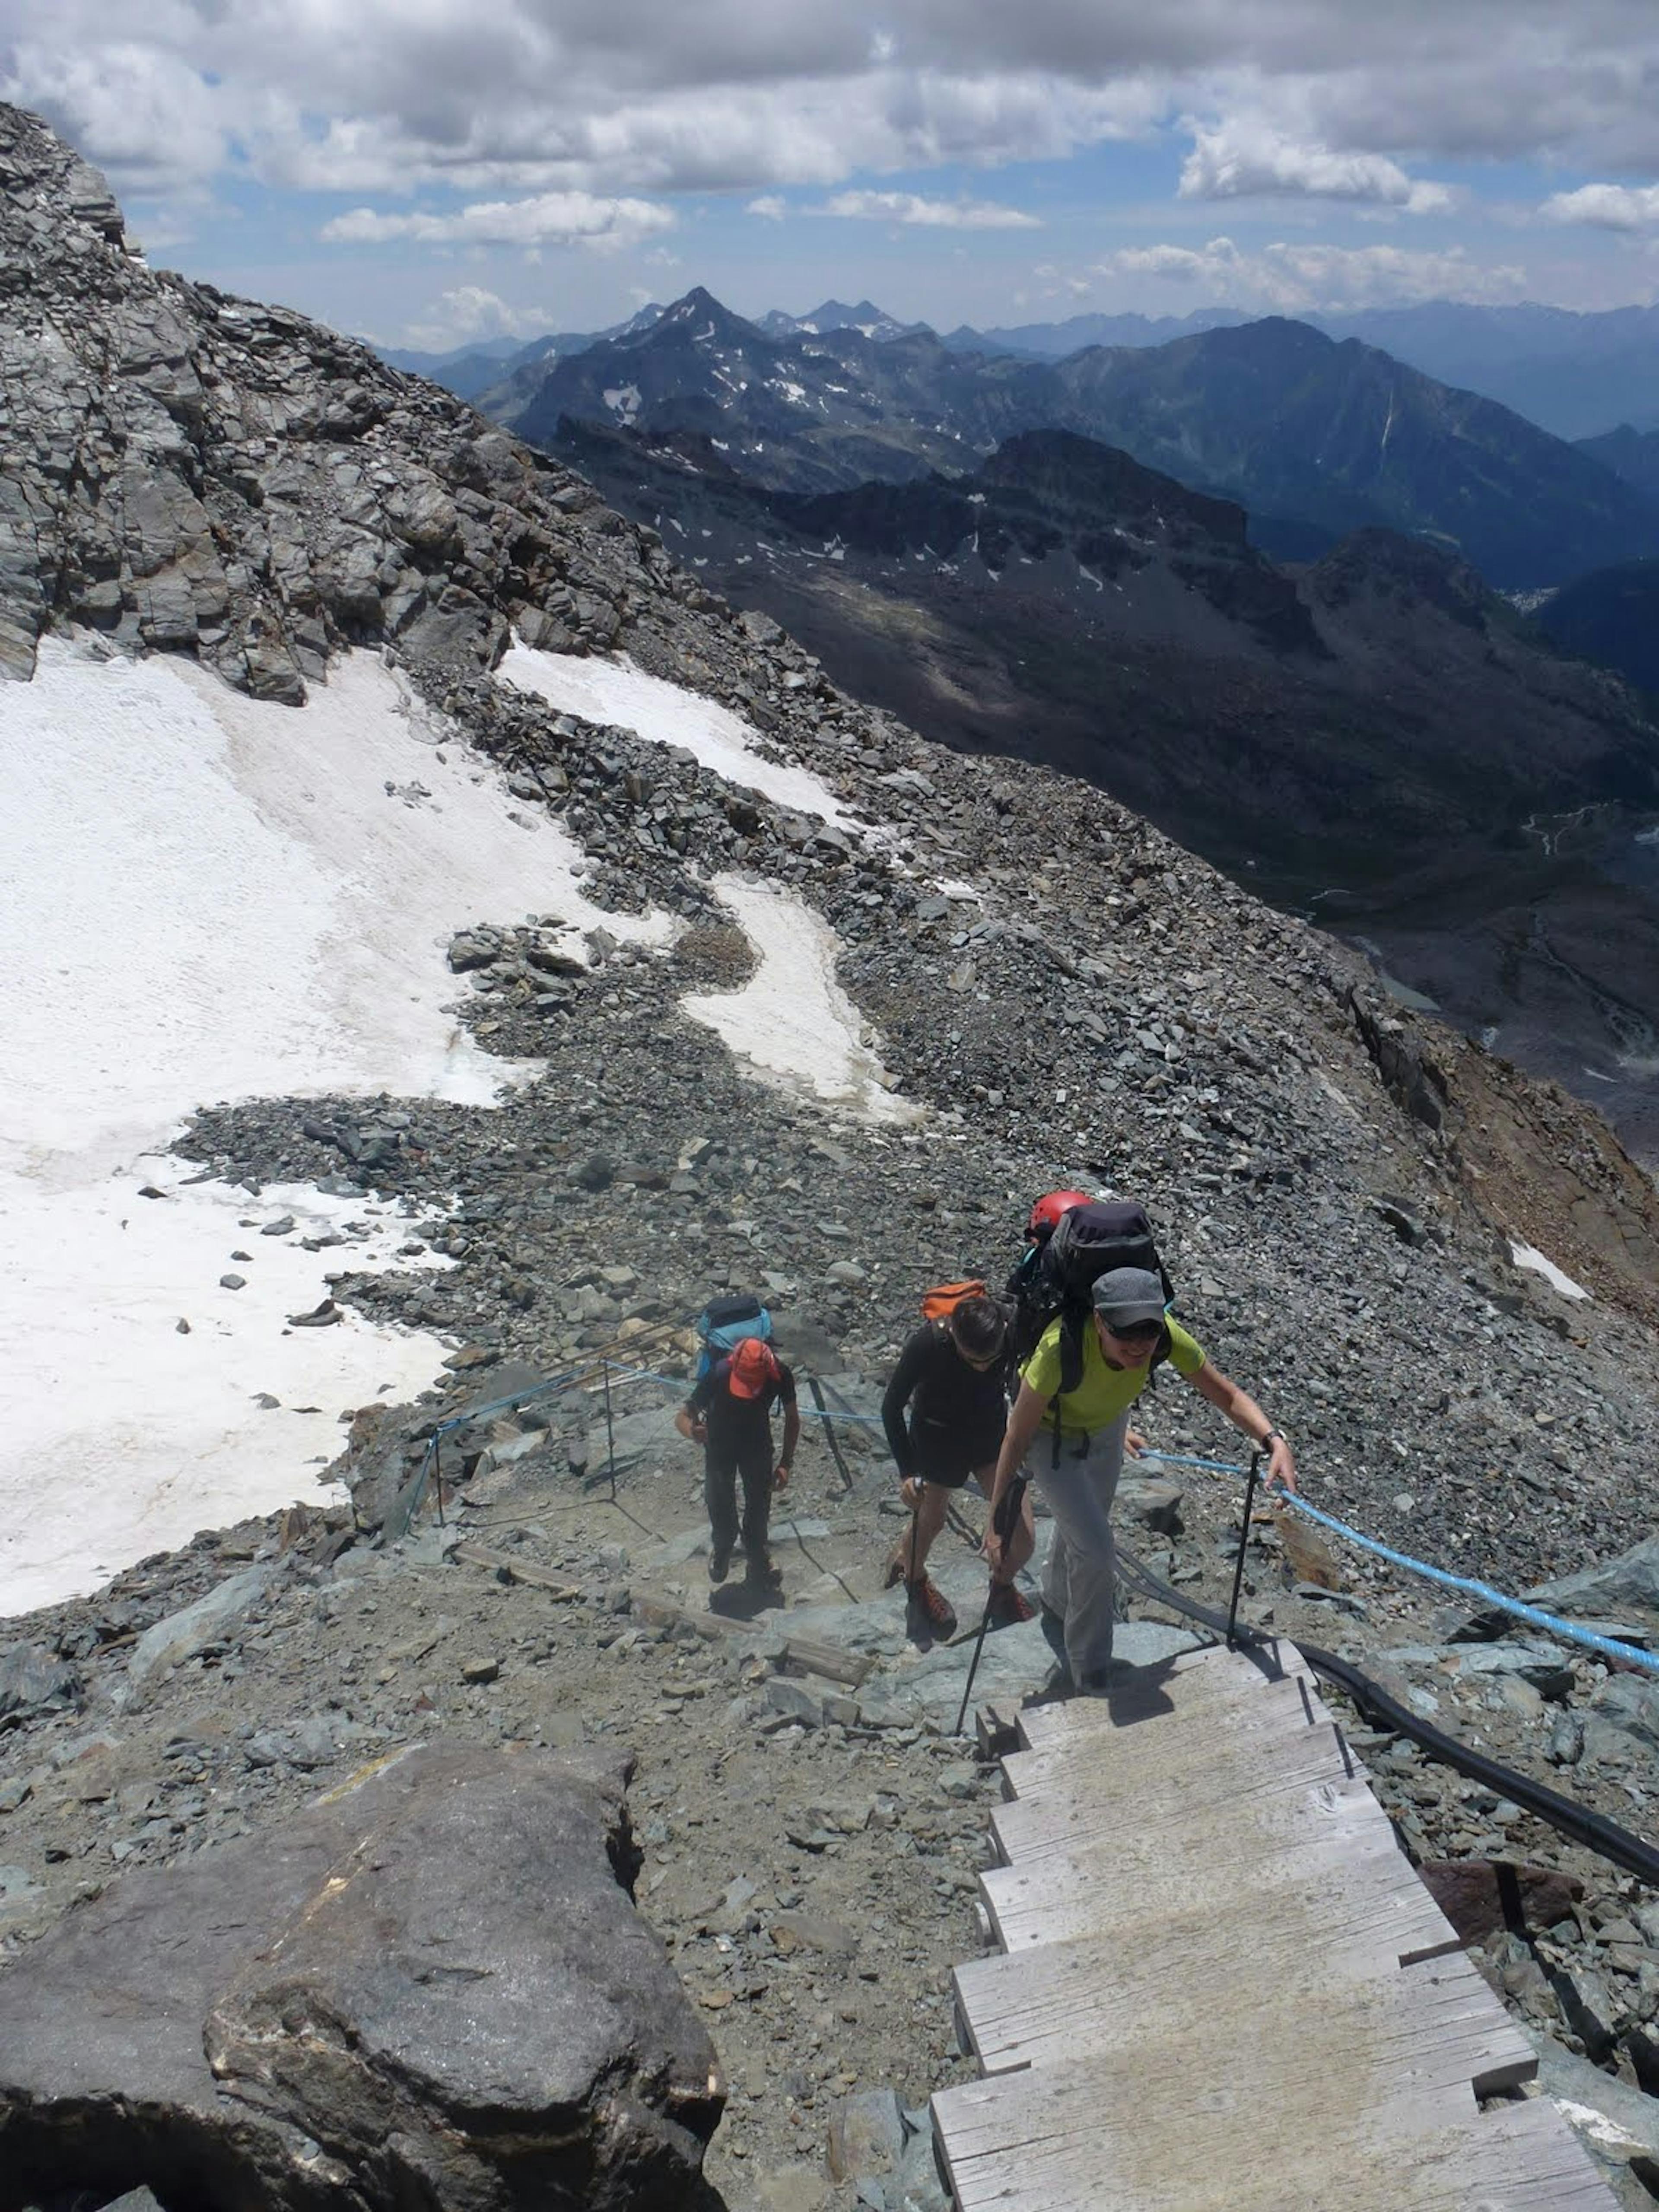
{"x": 1280, "y": 417}
{"x": 1613, "y": 617}
{"x": 1570, "y": 372}
{"x": 1385, "y": 715}
{"x": 1629, "y": 453}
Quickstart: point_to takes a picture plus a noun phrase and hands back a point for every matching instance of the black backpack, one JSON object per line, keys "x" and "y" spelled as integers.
{"x": 1053, "y": 1280}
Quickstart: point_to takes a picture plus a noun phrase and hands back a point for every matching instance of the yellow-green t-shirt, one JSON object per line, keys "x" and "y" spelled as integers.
{"x": 1104, "y": 1392}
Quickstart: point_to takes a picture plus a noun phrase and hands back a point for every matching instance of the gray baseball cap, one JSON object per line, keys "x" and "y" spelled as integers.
{"x": 1124, "y": 1295}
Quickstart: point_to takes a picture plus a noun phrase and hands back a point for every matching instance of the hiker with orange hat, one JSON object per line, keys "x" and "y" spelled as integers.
{"x": 729, "y": 1413}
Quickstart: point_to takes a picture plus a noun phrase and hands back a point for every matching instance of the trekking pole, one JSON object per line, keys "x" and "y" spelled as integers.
{"x": 1238, "y": 1565}
{"x": 438, "y": 1476}
{"x": 1003, "y": 1521}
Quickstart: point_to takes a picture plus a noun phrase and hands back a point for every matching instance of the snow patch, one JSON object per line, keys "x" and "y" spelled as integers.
{"x": 791, "y": 1020}
{"x": 1524, "y": 1255}
{"x": 204, "y": 897}
{"x": 127, "y": 1434}
{"x": 616, "y": 692}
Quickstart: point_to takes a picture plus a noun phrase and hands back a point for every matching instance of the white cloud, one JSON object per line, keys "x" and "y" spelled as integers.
{"x": 1294, "y": 277}
{"x": 549, "y": 219}
{"x": 772, "y": 205}
{"x": 1609, "y": 207}
{"x": 470, "y": 311}
{"x": 1248, "y": 157}
{"x": 912, "y": 207}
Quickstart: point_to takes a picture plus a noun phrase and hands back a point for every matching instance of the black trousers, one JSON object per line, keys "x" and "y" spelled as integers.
{"x": 724, "y": 1460}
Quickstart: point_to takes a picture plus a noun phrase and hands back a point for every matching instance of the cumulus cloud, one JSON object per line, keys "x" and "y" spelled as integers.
{"x": 1292, "y": 278}
{"x": 549, "y": 219}
{"x": 771, "y": 205}
{"x": 510, "y": 99}
{"x": 1609, "y": 207}
{"x": 1248, "y": 157}
{"x": 912, "y": 207}
{"x": 471, "y": 312}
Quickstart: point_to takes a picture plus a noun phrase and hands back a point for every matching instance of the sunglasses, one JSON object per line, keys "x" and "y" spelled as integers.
{"x": 1136, "y": 1332}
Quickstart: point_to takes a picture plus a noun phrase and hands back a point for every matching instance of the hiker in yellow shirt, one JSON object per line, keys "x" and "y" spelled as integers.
{"x": 1077, "y": 1464}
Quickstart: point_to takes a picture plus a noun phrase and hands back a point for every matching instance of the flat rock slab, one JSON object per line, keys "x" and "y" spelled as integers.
{"x": 430, "y": 1988}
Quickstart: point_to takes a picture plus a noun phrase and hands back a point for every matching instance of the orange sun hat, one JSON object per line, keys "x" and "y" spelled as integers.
{"x": 752, "y": 1368}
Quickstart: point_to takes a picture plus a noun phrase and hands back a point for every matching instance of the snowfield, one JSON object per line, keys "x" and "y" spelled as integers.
{"x": 207, "y": 898}
{"x": 204, "y": 897}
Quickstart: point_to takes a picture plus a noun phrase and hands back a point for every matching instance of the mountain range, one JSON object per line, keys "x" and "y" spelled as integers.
{"x": 1314, "y": 437}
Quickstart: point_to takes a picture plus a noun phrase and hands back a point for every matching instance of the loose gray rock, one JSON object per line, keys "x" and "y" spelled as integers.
{"x": 181, "y": 1636}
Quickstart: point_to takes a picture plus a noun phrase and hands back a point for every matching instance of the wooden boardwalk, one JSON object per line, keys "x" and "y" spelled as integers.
{"x": 1222, "y": 1987}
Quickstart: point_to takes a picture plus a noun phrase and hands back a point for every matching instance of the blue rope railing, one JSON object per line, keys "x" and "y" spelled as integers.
{"x": 1572, "y": 1632}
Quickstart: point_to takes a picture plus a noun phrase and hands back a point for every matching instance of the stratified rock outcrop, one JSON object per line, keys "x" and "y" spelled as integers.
{"x": 196, "y": 473}
{"x": 430, "y": 1988}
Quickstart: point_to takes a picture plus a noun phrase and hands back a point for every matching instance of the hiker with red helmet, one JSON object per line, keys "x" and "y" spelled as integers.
{"x": 729, "y": 1413}
{"x": 945, "y": 1410}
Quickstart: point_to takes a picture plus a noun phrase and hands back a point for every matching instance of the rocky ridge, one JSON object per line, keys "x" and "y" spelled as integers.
{"x": 1060, "y": 991}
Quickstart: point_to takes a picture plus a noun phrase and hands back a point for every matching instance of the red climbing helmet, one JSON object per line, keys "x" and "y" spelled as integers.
{"x": 1046, "y": 1214}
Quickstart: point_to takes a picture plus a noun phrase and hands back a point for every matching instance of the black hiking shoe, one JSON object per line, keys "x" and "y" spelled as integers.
{"x": 928, "y": 1613}
{"x": 762, "y": 1572}
{"x": 719, "y": 1563}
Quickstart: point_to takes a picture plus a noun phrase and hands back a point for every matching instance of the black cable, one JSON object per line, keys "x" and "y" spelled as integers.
{"x": 1594, "y": 1831}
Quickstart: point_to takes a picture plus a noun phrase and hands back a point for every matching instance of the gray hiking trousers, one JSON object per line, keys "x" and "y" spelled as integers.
{"x": 1082, "y": 1565}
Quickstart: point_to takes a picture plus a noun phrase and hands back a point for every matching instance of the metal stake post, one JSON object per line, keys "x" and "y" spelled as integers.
{"x": 610, "y": 1432}
{"x": 438, "y": 1474}
{"x": 1244, "y": 1538}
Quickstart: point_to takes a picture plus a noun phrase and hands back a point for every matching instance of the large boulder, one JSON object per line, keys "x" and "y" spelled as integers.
{"x": 429, "y": 1989}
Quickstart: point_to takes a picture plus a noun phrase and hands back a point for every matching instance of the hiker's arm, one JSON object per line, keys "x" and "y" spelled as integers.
{"x": 1245, "y": 1415}
{"x": 790, "y": 1439}
{"x": 689, "y": 1426}
{"x": 901, "y": 1387}
{"x": 1023, "y": 1423}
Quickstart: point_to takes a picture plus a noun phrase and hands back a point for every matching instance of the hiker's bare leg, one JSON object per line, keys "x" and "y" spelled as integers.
{"x": 911, "y": 1551}
{"x": 1023, "y": 1542}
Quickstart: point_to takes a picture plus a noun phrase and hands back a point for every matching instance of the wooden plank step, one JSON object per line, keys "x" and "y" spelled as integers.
{"x": 1102, "y": 1726}
{"x": 1117, "y": 2136}
{"x": 1349, "y": 1879}
{"x": 1154, "y": 1798}
{"x": 1115, "y": 1770}
{"x": 1186, "y": 1683}
{"x": 1302, "y": 2002}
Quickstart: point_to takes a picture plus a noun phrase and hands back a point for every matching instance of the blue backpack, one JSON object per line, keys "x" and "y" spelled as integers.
{"x": 723, "y": 1324}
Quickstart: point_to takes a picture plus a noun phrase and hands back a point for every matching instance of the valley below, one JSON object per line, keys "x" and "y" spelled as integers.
{"x": 1373, "y": 742}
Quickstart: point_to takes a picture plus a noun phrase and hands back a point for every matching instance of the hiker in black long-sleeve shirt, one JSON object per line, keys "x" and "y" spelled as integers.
{"x": 945, "y": 1410}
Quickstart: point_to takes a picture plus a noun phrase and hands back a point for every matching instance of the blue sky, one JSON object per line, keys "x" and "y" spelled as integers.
{"x": 427, "y": 172}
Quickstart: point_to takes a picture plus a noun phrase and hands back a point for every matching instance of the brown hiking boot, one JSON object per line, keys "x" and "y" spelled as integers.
{"x": 927, "y": 1612}
{"x": 1007, "y": 1605}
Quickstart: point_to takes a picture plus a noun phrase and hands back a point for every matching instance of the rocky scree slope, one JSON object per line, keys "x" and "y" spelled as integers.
{"x": 1058, "y": 990}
